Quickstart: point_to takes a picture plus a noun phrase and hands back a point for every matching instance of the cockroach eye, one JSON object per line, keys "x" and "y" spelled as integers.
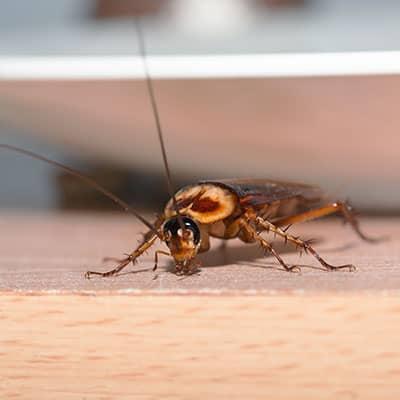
{"x": 172, "y": 228}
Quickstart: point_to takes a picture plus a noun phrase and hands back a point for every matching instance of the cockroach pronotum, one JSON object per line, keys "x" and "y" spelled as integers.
{"x": 225, "y": 209}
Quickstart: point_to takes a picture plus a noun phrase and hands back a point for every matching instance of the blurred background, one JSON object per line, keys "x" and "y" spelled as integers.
{"x": 340, "y": 132}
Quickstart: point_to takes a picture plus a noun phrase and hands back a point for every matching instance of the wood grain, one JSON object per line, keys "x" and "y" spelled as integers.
{"x": 199, "y": 347}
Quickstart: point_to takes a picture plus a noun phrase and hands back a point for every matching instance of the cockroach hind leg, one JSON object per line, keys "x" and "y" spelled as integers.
{"x": 342, "y": 207}
{"x": 328, "y": 267}
{"x": 350, "y": 216}
{"x": 306, "y": 245}
{"x": 302, "y": 244}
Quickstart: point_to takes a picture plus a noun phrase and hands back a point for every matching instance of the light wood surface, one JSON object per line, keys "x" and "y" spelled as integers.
{"x": 200, "y": 347}
{"x": 235, "y": 331}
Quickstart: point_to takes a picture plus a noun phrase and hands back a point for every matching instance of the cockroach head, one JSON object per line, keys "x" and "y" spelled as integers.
{"x": 183, "y": 243}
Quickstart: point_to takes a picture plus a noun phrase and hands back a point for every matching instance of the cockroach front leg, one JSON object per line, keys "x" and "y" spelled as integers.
{"x": 126, "y": 261}
{"x": 244, "y": 224}
{"x": 305, "y": 245}
{"x": 165, "y": 253}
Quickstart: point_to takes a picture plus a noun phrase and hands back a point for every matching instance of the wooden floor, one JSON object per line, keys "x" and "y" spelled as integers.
{"x": 241, "y": 329}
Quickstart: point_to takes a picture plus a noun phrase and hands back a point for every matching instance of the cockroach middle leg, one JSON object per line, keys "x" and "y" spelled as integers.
{"x": 305, "y": 245}
{"x": 266, "y": 245}
{"x": 344, "y": 208}
{"x": 126, "y": 261}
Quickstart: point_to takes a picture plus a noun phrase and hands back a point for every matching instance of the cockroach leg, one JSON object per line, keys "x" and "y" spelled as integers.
{"x": 337, "y": 207}
{"x": 126, "y": 261}
{"x": 349, "y": 216}
{"x": 267, "y": 246}
{"x": 165, "y": 253}
{"x": 305, "y": 245}
{"x": 114, "y": 271}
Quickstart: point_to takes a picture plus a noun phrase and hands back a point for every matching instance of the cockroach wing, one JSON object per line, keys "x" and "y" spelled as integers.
{"x": 262, "y": 192}
{"x": 205, "y": 202}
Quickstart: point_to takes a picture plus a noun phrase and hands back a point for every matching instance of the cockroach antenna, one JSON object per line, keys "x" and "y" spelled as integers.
{"x": 150, "y": 89}
{"x": 91, "y": 182}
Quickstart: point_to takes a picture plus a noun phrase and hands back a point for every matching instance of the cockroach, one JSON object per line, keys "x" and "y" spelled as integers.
{"x": 225, "y": 209}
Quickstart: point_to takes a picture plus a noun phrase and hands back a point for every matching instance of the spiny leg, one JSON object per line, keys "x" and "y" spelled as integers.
{"x": 269, "y": 227}
{"x": 122, "y": 264}
{"x": 126, "y": 261}
{"x": 337, "y": 207}
{"x": 266, "y": 245}
{"x": 145, "y": 237}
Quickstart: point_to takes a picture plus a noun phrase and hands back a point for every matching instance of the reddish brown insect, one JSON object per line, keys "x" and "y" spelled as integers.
{"x": 238, "y": 208}
{"x": 243, "y": 208}
{"x": 224, "y": 209}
